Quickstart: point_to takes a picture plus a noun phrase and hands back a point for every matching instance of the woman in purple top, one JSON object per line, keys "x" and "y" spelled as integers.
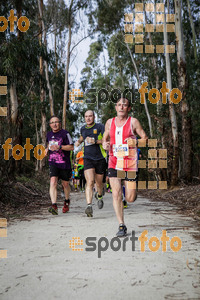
{"x": 59, "y": 145}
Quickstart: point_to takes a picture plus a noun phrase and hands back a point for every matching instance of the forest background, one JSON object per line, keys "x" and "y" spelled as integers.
{"x": 38, "y": 79}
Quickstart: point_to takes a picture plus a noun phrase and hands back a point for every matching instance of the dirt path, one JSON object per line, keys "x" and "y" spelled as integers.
{"x": 41, "y": 265}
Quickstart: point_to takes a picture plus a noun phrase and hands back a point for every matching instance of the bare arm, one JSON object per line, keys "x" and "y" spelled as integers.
{"x": 78, "y": 158}
{"x": 99, "y": 141}
{"x": 67, "y": 147}
{"x": 46, "y": 150}
{"x": 79, "y": 141}
{"x": 62, "y": 147}
{"x": 138, "y": 128}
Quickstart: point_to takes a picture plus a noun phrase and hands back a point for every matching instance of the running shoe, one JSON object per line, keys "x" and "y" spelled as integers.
{"x": 125, "y": 203}
{"x": 122, "y": 230}
{"x": 66, "y": 206}
{"x": 100, "y": 200}
{"x": 89, "y": 211}
{"x": 53, "y": 209}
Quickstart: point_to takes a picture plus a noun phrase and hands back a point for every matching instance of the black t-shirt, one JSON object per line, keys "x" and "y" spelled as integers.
{"x": 93, "y": 151}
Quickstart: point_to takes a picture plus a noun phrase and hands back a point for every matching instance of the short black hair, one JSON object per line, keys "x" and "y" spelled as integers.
{"x": 129, "y": 102}
{"x": 54, "y": 116}
{"x": 90, "y": 110}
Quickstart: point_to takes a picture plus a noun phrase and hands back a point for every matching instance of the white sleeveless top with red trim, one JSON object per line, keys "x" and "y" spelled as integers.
{"x": 122, "y": 157}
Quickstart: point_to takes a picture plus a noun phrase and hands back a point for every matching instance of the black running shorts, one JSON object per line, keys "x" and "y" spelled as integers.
{"x": 105, "y": 173}
{"x": 98, "y": 165}
{"x": 64, "y": 174}
{"x": 124, "y": 175}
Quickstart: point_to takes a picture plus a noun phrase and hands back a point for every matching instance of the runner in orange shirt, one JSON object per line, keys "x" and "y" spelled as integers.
{"x": 80, "y": 162}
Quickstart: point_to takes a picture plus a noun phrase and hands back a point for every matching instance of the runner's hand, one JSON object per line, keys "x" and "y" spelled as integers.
{"x": 106, "y": 145}
{"x": 131, "y": 142}
{"x": 46, "y": 151}
{"x": 77, "y": 143}
{"x": 55, "y": 147}
{"x": 90, "y": 140}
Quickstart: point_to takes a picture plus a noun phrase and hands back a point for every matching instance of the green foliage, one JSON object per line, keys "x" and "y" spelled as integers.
{"x": 108, "y": 16}
{"x": 20, "y": 54}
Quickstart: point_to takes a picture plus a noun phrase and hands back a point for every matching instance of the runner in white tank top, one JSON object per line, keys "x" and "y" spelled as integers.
{"x": 119, "y": 138}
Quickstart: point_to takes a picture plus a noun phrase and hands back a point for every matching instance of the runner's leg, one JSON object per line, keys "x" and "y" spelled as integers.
{"x": 89, "y": 176}
{"x": 117, "y": 198}
{"x": 66, "y": 188}
{"x": 53, "y": 189}
{"x": 131, "y": 192}
{"x": 99, "y": 183}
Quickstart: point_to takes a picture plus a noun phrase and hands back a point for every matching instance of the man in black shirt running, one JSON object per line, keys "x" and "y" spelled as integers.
{"x": 94, "y": 159}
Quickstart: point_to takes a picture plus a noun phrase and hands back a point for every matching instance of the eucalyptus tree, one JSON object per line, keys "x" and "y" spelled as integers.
{"x": 19, "y": 54}
{"x": 74, "y": 7}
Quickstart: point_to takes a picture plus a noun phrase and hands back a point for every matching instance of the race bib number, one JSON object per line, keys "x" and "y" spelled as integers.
{"x": 120, "y": 150}
{"x": 89, "y": 141}
{"x": 51, "y": 143}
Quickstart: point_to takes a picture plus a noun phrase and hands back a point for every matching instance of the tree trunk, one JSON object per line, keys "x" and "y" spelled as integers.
{"x": 67, "y": 65}
{"x": 37, "y": 136}
{"x": 66, "y": 80}
{"x": 42, "y": 29}
{"x": 183, "y": 86}
{"x": 55, "y": 49}
{"x": 139, "y": 85}
{"x": 18, "y": 5}
{"x": 42, "y": 91}
{"x": 153, "y": 59}
{"x": 13, "y": 103}
{"x": 193, "y": 31}
{"x": 175, "y": 161}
